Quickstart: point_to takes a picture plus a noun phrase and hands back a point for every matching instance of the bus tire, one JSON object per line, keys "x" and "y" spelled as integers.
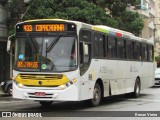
{"x": 9, "y": 90}
{"x": 137, "y": 89}
{"x": 97, "y": 96}
{"x": 46, "y": 103}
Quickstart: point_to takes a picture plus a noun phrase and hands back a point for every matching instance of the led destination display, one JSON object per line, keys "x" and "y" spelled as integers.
{"x": 47, "y": 27}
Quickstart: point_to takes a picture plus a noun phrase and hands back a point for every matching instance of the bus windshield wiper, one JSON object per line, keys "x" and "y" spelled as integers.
{"x": 53, "y": 43}
{"x": 33, "y": 46}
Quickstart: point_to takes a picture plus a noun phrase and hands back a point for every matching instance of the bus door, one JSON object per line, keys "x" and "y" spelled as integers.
{"x": 84, "y": 61}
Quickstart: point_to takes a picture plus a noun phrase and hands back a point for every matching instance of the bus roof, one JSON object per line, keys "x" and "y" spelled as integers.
{"x": 136, "y": 38}
{"x": 36, "y": 20}
{"x": 100, "y": 28}
{"x": 112, "y": 31}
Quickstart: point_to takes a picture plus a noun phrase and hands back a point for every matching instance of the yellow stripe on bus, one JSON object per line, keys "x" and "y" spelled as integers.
{"x": 44, "y": 82}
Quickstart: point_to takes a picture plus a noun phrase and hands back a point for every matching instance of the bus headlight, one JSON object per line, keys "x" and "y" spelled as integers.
{"x": 62, "y": 87}
{"x": 19, "y": 84}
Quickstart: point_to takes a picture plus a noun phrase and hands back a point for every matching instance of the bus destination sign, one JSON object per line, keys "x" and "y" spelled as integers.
{"x": 45, "y": 27}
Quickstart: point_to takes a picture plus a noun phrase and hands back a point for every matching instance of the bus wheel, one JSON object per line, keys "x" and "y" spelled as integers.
{"x": 96, "y": 95}
{"x": 137, "y": 89}
{"x": 46, "y": 103}
{"x": 9, "y": 90}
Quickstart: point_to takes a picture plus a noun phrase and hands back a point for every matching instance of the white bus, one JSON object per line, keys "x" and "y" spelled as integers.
{"x": 63, "y": 60}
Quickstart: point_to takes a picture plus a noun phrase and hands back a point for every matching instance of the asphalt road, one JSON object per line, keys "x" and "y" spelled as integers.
{"x": 115, "y": 107}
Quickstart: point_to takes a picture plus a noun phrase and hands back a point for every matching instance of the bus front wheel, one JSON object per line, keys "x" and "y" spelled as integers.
{"x": 95, "y": 101}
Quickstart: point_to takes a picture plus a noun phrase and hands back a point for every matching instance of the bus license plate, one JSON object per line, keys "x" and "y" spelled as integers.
{"x": 40, "y": 94}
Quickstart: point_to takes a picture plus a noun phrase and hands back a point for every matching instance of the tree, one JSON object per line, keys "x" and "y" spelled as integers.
{"x": 80, "y": 10}
{"x": 127, "y": 20}
{"x": 115, "y": 7}
{"x": 15, "y": 9}
{"x": 131, "y": 21}
{"x": 88, "y": 11}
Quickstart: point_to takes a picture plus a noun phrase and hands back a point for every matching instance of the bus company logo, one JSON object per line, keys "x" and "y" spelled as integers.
{"x": 6, "y": 114}
{"x": 40, "y": 82}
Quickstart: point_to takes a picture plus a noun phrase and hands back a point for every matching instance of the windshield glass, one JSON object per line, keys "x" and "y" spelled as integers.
{"x": 55, "y": 54}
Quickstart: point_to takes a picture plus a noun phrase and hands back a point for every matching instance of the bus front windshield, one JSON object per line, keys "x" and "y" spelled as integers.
{"x": 54, "y": 54}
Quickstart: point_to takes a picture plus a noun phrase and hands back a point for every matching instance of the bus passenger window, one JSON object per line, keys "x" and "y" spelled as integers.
{"x": 129, "y": 50}
{"x": 144, "y": 52}
{"x": 137, "y": 52}
{"x": 150, "y": 53}
{"x": 112, "y": 50}
{"x": 99, "y": 45}
{"x": 121, "y": 49}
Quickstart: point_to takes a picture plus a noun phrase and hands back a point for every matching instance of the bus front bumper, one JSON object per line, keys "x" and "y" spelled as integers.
{"x": 43, "y": 94}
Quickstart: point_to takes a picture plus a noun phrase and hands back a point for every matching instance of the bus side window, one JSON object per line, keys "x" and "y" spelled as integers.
{"x": 150, "y": 53}
{"x": 112, "y": 49}
{"x": 99, "y": 45}
{"x": 137, "y": 51}
{"x": 144, "y": 51}
{"x": 121, "y": 52}
{"x": 129, "y": 50}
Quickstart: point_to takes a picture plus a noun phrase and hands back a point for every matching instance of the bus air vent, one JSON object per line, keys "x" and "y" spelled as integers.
{"x": 41, "y": 76}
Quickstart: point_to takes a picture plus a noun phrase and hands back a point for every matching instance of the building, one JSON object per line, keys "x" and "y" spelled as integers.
{"x": 150, "y": 12}
{"x": 147, "y": 10}
{"x": 157, "y": 30}
{"x": 4, "y": 56}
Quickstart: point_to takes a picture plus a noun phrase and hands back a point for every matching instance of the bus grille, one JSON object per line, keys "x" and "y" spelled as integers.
{"x": 41, "y": 76}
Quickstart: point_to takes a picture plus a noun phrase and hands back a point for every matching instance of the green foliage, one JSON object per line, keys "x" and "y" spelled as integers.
{"x": 14, "y": 10}
{"x": 14, "y": 15}
{"x": 116, "y": 7}
{"x": 131, "y": 21}
{"x": 127, "y": 20}
{"x": 80, "y": 10}
{"x": 88, "y": 11}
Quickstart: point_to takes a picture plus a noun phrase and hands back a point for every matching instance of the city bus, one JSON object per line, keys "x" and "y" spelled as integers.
{"x": 65, "y": 60}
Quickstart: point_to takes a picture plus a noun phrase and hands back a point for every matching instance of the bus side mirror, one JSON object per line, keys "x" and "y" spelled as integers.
{"x": 9, "y": 42}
